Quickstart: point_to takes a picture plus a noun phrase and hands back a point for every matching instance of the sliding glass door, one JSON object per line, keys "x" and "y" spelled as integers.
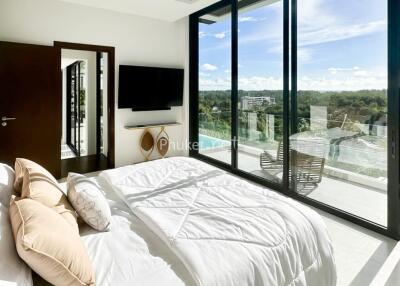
{"x": 214, "y": 106}
{"x": 261, "y": 90}
{"x": 303, "y": 97}
{"x": 339, "y": 143}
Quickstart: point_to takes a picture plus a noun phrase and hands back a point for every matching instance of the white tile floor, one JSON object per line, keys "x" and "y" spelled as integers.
{"x": 361, "y": 254}
{"x": 66, "y": 152}
{"x": 357, "y": 199}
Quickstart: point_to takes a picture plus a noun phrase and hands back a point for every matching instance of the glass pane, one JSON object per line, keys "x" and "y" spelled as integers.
{"x": 82, "y": 123}
{"x": 101, "y": 108}
{"x": 215, "y": 85}
{"x": 339, "y": 151}
{"x": 260, "y": 94}
{"x": 73, "y": 107}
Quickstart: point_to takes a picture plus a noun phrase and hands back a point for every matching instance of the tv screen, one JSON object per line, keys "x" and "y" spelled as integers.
{"x": 149, "y": 88}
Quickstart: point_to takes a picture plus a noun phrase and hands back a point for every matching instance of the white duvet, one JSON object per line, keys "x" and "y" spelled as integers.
{"x": 226, "y": 230}
{"x": 129, "y": 253}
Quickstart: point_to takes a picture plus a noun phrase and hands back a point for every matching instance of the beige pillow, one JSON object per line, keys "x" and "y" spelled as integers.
{"x": 39, "y": 187}
{"x": 46, "y": 243}
{"x": 20, "y": 165}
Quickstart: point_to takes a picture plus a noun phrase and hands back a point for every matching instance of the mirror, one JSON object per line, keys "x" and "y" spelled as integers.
{"x": 84, "y": 110}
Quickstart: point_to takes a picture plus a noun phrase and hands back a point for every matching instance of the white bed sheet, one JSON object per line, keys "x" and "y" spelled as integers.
{"x": 130, "y": 253}
{"x": 226, "y": 230}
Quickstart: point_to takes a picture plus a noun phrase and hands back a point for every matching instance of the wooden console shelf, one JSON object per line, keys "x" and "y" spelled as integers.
{"x": 153, "y": 125}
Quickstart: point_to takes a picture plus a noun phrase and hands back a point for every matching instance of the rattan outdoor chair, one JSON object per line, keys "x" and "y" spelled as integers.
{"x": 308, "y": 168}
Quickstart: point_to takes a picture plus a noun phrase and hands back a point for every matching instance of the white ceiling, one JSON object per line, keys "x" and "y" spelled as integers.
{"x": 167, "y": 10}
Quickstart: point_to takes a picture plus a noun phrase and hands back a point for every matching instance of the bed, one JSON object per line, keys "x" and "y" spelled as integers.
{"x": 179, "y": 221}
{"x": 223, "y": 229}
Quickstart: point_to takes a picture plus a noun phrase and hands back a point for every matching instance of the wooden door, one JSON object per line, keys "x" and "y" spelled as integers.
{"x": 30, "y": 104}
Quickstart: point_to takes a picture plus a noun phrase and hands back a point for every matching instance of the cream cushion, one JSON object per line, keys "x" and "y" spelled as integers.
{"x": 47, "y": 244}
{"x": 87, "y": 198}
{"x": 20, "y": 165}
{"x": 38, "y": 186}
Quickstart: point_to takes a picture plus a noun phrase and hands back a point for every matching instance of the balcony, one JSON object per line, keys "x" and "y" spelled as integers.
{"x": 353, "y": 176}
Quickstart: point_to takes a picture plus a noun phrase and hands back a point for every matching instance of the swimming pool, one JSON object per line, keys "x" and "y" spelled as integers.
{"x": 207, "y": 142}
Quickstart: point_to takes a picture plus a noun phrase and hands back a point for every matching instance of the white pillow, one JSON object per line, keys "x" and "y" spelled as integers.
{"x": 89, "y": 202}
{"x": 7, "y": 176}
{"x": 13, "y": 271}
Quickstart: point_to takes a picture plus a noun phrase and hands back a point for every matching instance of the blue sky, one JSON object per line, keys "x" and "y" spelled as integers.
{"x": 342, "y": 45}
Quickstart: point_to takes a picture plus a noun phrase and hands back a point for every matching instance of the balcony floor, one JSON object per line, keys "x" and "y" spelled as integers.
{"x": 360, "y": 200}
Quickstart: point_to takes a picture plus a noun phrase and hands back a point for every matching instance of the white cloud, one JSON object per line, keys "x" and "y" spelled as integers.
{"x": 209, "y": 67}
{"x": 319, "y": 34}
{"x": 247, "y": 19}
{"x": 245, "y": 83}
{"x": 311, "y": 14}
{"x": 304, "y": 55}
{"x": 317, "y": 24}
{"x": 274, "y": 36}
{"x": 215, "y": 84}
{"x": 360, "y": 73}
{"x": 339, "y": 84}
{"x": 339, "y": 32}
{"x": 336, "y": 70}
{"x": 204, "y": 74}
{"x": 220, "y": 35}
{"x": 260, "y": 83}
{"x": 351, "y": 79}
{"x": 202, "y": 34}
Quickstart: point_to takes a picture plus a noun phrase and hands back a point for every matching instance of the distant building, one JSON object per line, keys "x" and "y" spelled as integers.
{"x": 249, "y": 102}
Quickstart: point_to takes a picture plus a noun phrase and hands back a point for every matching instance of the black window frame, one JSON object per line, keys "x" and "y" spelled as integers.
{"x": 289, "y": 108}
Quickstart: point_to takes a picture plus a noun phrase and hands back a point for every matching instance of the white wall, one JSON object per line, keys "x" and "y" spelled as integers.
{"x": 138, "y": 41}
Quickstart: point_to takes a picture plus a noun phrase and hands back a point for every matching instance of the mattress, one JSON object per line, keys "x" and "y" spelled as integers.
{"x": 225, "y": 230}
{"x": 130, "y": 253}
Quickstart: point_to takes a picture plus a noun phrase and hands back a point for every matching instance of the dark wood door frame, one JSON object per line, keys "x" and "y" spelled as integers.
{"x": 110, "y": 89}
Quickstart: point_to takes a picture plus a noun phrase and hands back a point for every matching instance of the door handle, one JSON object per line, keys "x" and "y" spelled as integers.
{"x": 4, "y": 118}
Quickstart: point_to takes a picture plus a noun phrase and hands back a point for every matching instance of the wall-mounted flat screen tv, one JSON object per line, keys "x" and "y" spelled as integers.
{"x": 149, "y": 88}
